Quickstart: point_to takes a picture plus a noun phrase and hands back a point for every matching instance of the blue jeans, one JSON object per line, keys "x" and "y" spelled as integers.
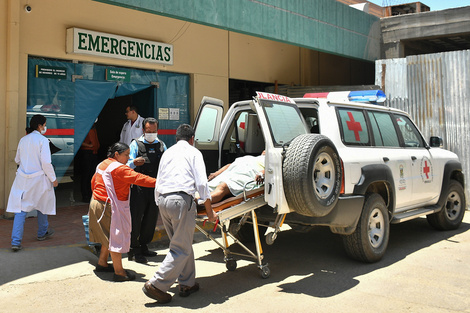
{"x": 18, "y": 227}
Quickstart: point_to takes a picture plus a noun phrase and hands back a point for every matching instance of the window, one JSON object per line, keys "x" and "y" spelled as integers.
{"x": 410, "y": 134}
{"x": 205, "y": 130}
{"x": 311, "y": 118}
{"x": 285, "y": 122}
{"x": 354, "y": 127}
{"x": 384, "y": 131}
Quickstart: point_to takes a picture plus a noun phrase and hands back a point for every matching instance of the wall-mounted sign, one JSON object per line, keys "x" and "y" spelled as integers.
{"x": 118, "y": 75}
{"x": 174, "y": 114}
{"x": 51, "y": 72}
{"x": 163, "y": 114}
{"x": 89, "y": 42}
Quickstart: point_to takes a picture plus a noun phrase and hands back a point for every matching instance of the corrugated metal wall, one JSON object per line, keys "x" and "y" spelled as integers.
{"x": 435, "y": 90}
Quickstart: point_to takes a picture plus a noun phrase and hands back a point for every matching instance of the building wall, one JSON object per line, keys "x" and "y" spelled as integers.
{"x": 3, "y": 96}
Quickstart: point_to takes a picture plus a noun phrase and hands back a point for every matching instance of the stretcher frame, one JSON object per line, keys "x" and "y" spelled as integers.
{"x": 244, "y": 207}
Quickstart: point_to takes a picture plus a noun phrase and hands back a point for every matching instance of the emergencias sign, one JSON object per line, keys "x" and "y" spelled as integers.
{"x": 89, "y": 42}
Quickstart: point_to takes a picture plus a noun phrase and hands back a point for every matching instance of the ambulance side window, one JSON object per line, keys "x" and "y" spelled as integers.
{"x": 411, "y": 136}
{"x": 385, "y": 134}
{"x": 311, "y": 118}
{"x": 353, "y": 127}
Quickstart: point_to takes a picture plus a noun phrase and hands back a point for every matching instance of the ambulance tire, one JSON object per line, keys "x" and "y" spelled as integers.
{"x": 312, "y": 175}
{"x": 369, "y": 241}
{"x": 451, "y": 215}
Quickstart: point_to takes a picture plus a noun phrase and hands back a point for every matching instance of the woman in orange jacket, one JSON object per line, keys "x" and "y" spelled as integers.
{"x": 109, "y": 214}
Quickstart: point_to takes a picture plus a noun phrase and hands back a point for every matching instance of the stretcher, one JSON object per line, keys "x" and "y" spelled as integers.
{"x": 241, "y": 207}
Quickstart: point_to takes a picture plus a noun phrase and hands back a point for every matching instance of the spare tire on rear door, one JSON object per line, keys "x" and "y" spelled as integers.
{"x": 311, "y": 175}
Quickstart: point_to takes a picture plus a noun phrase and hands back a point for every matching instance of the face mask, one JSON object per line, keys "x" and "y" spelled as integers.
{"x": 44, "y": 130}
{"x": 150, "y": 137}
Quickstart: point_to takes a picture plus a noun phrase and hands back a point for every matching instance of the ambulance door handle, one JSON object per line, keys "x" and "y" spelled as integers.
{"x": 386, "y": 159}
{"x": 413, "y": 158}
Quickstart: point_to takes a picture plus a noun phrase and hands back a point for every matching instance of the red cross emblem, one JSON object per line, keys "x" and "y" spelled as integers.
{"x": 354, "y": 126}
{"x": 426, "y": 169}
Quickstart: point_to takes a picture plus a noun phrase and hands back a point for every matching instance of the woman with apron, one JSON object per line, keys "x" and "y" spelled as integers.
{"x": 109, "y": 214}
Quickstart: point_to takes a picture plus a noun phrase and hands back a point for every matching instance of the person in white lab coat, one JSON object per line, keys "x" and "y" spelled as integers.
{"x": 34, "y": 182}
{"x": 132, "y": 129}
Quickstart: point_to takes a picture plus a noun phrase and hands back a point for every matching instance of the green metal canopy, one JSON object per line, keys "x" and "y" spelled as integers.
{"x": 324, "y": 25}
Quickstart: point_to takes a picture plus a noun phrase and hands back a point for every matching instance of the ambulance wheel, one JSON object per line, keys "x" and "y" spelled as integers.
{"x": 231, "y": 265}
{"x": 311, "y": 174}
{"x": 369, "y": 241}
{"x": 265, "y": 271}
{"x": 270, "y": 238}
{"x": 451, "y": 215}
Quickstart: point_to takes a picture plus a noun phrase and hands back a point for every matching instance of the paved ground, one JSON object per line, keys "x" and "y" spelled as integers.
{"x": 67, "y": 224}
{"x": 423, "y": 271}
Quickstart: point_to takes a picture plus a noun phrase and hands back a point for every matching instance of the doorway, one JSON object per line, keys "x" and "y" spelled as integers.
{"x": 108, "y": 127}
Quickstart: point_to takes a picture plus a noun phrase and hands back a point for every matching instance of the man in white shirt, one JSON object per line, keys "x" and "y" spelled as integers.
{"x": 180, "y": 174}
{"x": 132, "y": 129}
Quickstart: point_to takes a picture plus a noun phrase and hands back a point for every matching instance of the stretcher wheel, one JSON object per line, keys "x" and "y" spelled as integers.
{"x": 231, "y": 265}
{"x": 270, "y": 238}
{"x": 265, "y": 271}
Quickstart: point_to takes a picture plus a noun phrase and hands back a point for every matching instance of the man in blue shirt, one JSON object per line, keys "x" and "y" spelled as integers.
{"x": 145, "y": 154}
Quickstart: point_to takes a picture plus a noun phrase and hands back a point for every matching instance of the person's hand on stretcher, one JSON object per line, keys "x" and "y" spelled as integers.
{"x": 211, "y": 216}
{"x": 260, "y": 178}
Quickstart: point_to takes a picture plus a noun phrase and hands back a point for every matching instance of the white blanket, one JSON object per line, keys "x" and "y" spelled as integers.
{"x": 241, "y": 171}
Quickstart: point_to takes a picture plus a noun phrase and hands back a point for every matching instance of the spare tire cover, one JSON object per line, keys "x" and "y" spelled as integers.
{"x": 312, "y": 175}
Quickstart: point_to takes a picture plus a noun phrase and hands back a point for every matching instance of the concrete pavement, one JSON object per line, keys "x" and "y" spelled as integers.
{"x": 424, "y": 270}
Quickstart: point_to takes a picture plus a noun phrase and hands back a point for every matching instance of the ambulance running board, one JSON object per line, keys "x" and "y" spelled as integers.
{"x": 409, "y": 215}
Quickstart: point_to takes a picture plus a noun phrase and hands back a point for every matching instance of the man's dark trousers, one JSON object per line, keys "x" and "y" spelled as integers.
{"x": 144, "y": 214}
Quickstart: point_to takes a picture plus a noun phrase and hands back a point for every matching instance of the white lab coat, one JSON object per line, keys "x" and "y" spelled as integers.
{"x": 130, "y": 132}
{"x": 32, "y": 188}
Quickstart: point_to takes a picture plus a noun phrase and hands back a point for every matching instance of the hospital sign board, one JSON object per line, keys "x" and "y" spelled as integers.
{"x": 82, "y": 41}
{"x": 43, "y": 71}
{"x": 118, "y": 75}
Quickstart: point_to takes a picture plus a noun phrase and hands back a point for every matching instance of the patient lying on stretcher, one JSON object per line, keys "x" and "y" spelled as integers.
{"x": 231, "y": 179}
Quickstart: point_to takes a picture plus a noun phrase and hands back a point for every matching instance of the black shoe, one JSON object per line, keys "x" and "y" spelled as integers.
{"x": 16, "y": 248}
{"x": 48, "y": 234}
{"x": 186, "y": 290}
{"x": 108, "y": 268}
{"x": 149, "y": 253}
{"x": 119, "y": 278}
{"x": 139, "y": 258}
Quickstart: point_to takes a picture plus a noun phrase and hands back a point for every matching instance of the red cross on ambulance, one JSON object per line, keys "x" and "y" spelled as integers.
{"x": 426, "y": 170}
{"x": 354, "y": 126}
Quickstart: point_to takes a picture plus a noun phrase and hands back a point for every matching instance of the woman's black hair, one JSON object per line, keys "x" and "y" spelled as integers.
{"x": 118, "y": 147}
{"x": 34, "y": 123}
